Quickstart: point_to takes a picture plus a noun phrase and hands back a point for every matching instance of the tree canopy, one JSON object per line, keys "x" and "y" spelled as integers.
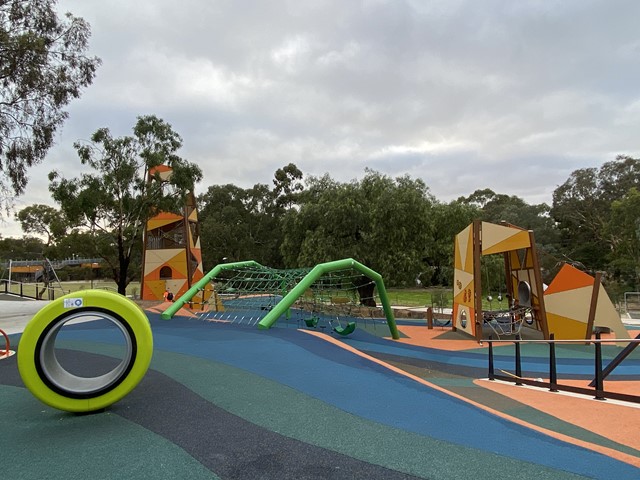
{"x": 43, "y": 66}
{"x": 583, "y": 207}
{"x": 116, "y": 200}
{"x": 393, "y": 225}
{"x": 43, "y": 220}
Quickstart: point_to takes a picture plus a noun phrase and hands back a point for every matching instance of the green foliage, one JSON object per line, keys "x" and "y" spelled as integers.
{"x": 393, "y": 225}
{"x": 623, "y": 232}
{"x": 448, "y": 220}
{"x": 583, "y": 211}
{"x": 497, "y": 208}
{"x": 382, "y": 222}
{"x": 115, "y": 202}
{"x": 43, "y": 220}
{"x": 288, "y": 185}
{"x": 25, "y": 248}
{"x": 239, "y": 224}
{"x": 43, "y": 67}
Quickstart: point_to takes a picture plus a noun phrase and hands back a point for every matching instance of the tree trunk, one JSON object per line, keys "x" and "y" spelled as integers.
{"x": 366, "y": 289}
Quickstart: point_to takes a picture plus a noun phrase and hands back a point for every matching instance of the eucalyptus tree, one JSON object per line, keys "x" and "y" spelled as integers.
{"x": 448, "y": 219}
{"x": 25, "y": 248}
{"x": 582, "y": 209}
{"x": 43, "y": 220}
{"x": 43, "y": 66}
{"x": 122, "y": 190}
{"x": 623, "y": 232}
{"x": 382, "y": 222}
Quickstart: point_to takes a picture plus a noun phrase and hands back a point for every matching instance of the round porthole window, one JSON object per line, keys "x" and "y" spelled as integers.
{"x": 463, "y": 318}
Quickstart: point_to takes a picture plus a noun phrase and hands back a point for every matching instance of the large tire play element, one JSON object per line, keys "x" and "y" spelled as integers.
{"x": 48, "y": 381}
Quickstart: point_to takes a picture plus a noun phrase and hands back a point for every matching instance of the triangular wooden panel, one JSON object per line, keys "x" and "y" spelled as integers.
{"x": 569, "y": 278}
{"x": 573, "y": 304}
{"x": 463, "y": 243}
{"x": 156, "y": 287}
{"x": 156, "y": 258}
{"x": 462, "y": 281}
{"x": 160, "y": 222}
{"x": 565, "y": 328}
{"x": 167, "y": 216}
{"x": 179, "y": 263}
{"x": 607, "y": 316}
{"x": 498, "y": 238}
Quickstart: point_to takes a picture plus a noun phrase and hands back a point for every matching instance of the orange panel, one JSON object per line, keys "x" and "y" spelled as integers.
{"x": 154, "y": 290}
{"x": 569, "y": 278}
{"x": 179, "y": 264}
{"x": 167, "y": 216}
{"x": 158, "y": 223}
{"x": 498, "y": 238}
{"x": 156, "y": 259}
{"x": 160, "y": 169}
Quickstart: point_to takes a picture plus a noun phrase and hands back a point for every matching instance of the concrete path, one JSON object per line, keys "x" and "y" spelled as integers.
{"x": 14, "y": 315}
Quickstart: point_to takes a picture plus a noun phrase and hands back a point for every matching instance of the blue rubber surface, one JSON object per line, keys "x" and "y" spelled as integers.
{"x": 370, "y": 391}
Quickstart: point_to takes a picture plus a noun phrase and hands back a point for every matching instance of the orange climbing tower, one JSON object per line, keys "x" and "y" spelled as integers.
{"x": 172, "y": 257}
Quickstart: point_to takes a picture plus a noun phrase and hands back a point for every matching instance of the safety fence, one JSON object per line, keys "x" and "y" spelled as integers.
{"x": 595, "y": 388}
{"x": 30, "y": 290}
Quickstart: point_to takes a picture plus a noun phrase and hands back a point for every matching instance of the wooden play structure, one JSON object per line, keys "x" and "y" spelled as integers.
{"x": 577, "y": 305}
{"x": 522, "y": 272}
{"x": 572, "y": 307}
{"x": 172, "y": 257}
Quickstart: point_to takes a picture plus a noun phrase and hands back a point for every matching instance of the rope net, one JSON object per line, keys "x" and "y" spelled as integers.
{"x": 246, "y": 294}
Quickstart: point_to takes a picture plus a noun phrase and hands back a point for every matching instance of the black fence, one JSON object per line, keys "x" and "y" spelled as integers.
{"x": 596, "y": 388}
{"x": 30, "y": 290}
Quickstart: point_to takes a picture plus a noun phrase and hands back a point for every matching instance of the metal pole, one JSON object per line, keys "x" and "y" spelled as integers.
{"x": 553, "y": 375}
{"x": 491, "y": 372}
{"x": 518, "y": 362}
{"x": 599, "y": 378}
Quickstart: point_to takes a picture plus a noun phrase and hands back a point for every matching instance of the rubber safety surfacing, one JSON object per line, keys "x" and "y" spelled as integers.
{"x": 52, "y": 384}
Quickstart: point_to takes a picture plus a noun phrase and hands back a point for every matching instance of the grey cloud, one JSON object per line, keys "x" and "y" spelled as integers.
{"x": 506, "y": 95}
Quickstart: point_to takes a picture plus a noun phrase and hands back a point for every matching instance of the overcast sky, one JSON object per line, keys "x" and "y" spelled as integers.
{"x": 508, "y": 95}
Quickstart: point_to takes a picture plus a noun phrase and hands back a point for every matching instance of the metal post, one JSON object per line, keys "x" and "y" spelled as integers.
{"x": 599, "y": 378}
{"x": 491, "y": 372}
{"x": 553, "y": 375}
{"x": 518, "y": 362}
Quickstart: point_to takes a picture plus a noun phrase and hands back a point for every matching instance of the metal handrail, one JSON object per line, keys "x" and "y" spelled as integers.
{"x": 51, "y": 291}
{"x": 597, "y": 384}
{"x": 593, "y": 340}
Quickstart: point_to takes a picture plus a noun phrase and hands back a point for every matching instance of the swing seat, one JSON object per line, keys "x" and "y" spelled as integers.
{"x": 351, "y": 326}
{"x": 311, "y": 322}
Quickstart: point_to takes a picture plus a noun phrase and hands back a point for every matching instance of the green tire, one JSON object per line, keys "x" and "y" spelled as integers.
{"x": 48, "y": 381}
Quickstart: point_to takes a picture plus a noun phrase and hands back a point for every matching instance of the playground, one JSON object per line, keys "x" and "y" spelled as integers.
{"x": 254, "y": 372}
{"x": 225, "y": 399}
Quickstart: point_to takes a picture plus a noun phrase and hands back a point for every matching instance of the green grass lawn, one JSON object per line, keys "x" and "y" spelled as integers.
{"x": 408, "y": 297}
{"x": 420, "y": 297}
{"x": 434, "y": 297}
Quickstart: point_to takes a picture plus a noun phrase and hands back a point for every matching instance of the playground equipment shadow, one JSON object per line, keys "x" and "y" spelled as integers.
{"x": 223, "y": 400}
